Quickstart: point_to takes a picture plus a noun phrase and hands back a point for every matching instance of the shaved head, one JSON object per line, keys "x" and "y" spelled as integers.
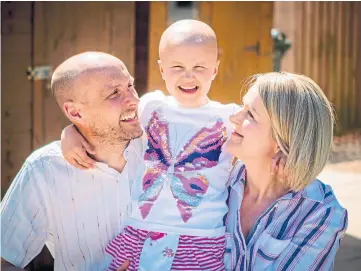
{"x": 188, "y": 32}
{"x": 96, "y": 93}
{"x": 70, "y": 77}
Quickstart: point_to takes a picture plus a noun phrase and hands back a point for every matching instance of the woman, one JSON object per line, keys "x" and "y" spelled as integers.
{"x": 291, "y": 224}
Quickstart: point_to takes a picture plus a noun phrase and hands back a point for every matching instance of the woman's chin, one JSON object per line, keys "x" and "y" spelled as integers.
{"x": 232, "y": 147}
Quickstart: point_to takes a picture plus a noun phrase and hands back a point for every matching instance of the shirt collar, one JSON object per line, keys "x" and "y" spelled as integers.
{"x": 314, "y": 191}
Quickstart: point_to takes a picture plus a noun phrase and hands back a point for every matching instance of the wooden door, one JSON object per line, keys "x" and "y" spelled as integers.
{"x": 16, "y": 97}
{"x": 244, "y": 38}
{"x": 63, "y": 29}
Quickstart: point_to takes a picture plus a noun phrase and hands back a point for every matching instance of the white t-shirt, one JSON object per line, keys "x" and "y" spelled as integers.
{"x": 74, "y": 212}
{"x": 182, "y": 188}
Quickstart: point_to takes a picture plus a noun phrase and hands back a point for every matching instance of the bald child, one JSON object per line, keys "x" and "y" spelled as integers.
{"x": 178, "y": 200}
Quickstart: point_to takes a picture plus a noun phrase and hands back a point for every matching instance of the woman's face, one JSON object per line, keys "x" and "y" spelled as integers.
{"x": 252, "y": 136}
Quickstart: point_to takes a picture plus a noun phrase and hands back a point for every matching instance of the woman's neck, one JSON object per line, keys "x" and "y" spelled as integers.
{"x": 261, "y": 184}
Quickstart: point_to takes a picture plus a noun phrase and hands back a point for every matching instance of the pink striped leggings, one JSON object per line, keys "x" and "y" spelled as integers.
{"x": 192, "y": 253}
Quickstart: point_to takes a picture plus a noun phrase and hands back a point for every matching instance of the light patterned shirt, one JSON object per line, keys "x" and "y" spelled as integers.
{"x": 300, "y": 231}
{"x": 74, "y": 212}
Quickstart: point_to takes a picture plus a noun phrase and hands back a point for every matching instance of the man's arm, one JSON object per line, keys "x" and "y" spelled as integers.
{"x": 23, "y": 217}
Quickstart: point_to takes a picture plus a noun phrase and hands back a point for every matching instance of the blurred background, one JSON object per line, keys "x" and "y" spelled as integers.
{"x": 319, "y": 39}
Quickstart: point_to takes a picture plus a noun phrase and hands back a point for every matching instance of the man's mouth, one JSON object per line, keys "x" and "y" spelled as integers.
{"x": 188, "y": 89}
{"x": 129, "y": 117}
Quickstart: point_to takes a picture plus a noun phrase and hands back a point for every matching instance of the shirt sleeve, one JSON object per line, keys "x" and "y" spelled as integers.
{"x": 23, "y": 221}
{"x": 148, "y": 98}
{"x": 314, "y": 245}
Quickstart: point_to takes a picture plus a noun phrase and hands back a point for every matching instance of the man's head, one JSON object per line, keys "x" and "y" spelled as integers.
{"x": 96, "y": 93}
{"x": 188, "y": 61}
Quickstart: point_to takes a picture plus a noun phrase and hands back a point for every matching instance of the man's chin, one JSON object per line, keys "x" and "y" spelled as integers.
{"x": 138, "y": 135}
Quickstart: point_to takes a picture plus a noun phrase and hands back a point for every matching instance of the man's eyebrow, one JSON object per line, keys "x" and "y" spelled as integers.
{"x": 112, "y": 86}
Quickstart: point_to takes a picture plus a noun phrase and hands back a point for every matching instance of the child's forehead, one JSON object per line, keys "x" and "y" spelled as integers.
{"x": 186, "y": 52}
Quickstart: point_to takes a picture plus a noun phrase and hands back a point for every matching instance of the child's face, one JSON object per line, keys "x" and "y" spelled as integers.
{"x": 188, "y": 72}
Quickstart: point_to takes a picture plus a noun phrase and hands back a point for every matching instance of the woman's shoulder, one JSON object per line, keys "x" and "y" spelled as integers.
{"x": 325, "y": 202}
{"x": 320, "y": 192}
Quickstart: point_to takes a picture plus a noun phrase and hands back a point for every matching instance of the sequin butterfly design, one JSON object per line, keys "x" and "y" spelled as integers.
{"x": 180, "y": 174}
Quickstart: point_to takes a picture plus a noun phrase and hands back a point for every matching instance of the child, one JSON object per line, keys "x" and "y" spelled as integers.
{"x": 178, "y": 200}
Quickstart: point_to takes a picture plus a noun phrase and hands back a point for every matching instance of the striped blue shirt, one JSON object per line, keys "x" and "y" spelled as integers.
{"x": 299, "y": 231}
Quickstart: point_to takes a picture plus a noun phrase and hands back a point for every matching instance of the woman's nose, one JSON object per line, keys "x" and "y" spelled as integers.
{"x": 237, "y": 118}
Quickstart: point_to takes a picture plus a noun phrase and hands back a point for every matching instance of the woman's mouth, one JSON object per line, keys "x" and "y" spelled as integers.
{"x": 236, "y": 136}
{"x": 188, "y": 89}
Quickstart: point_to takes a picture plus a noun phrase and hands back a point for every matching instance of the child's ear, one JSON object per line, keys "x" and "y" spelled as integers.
{"x": 215, "y": 71}
{"x": 160, "y": 68}
{"x": 73, "y": 112}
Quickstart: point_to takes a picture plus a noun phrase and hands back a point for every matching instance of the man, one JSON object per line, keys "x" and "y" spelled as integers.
{"x": 77, "y": 212}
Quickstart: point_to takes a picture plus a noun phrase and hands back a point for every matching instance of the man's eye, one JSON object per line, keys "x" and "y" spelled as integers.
{"x": 114, "y": 94}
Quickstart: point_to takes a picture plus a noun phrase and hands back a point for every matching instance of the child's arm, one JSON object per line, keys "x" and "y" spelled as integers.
{"x": 75, "y": 147}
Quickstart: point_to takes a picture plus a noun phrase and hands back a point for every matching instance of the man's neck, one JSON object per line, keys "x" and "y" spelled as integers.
{"x": 111, "y": 154}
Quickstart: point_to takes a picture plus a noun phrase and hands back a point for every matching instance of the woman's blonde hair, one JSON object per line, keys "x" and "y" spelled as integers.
{"x": 302, "y": 120}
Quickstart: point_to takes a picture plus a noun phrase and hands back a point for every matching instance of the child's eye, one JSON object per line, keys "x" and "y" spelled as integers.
{"x": 199, "y": 67}
{"x": 177, "y": 67}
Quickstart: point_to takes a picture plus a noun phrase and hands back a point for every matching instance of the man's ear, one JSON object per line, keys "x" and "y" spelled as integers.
{"x": 73, "y": 112}
{"x": 215, "y": 71}
{"x": 161, "y": 68}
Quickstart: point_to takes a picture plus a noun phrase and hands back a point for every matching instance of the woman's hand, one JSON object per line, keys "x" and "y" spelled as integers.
{"x": 75, "y": 148}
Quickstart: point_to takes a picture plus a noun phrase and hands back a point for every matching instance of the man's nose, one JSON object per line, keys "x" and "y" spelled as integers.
{"x": 132, "y": 100}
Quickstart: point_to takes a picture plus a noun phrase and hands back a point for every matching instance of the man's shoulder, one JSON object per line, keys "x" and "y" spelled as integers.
{"x": 50, "y": 151}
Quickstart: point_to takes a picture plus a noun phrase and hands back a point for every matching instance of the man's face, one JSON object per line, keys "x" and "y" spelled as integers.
{"x": 111, "y": 103}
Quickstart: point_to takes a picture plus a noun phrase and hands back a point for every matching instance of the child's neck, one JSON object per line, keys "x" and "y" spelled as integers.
{"x": 196, "y": 104}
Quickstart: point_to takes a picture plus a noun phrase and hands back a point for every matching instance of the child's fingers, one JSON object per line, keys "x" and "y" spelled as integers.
{"x": 85, "y": 157}
{"x": 74, "y": 163}
{"x": 81, "y": 161}
{"x": 90, "y": 149}
{"x": 124, "y": 266}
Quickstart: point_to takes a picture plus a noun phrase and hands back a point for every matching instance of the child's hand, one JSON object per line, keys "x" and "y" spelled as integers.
{"x": 278, "y": 166}
{"x": 124, "y": 266}
{"x": 75, "y": 148}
